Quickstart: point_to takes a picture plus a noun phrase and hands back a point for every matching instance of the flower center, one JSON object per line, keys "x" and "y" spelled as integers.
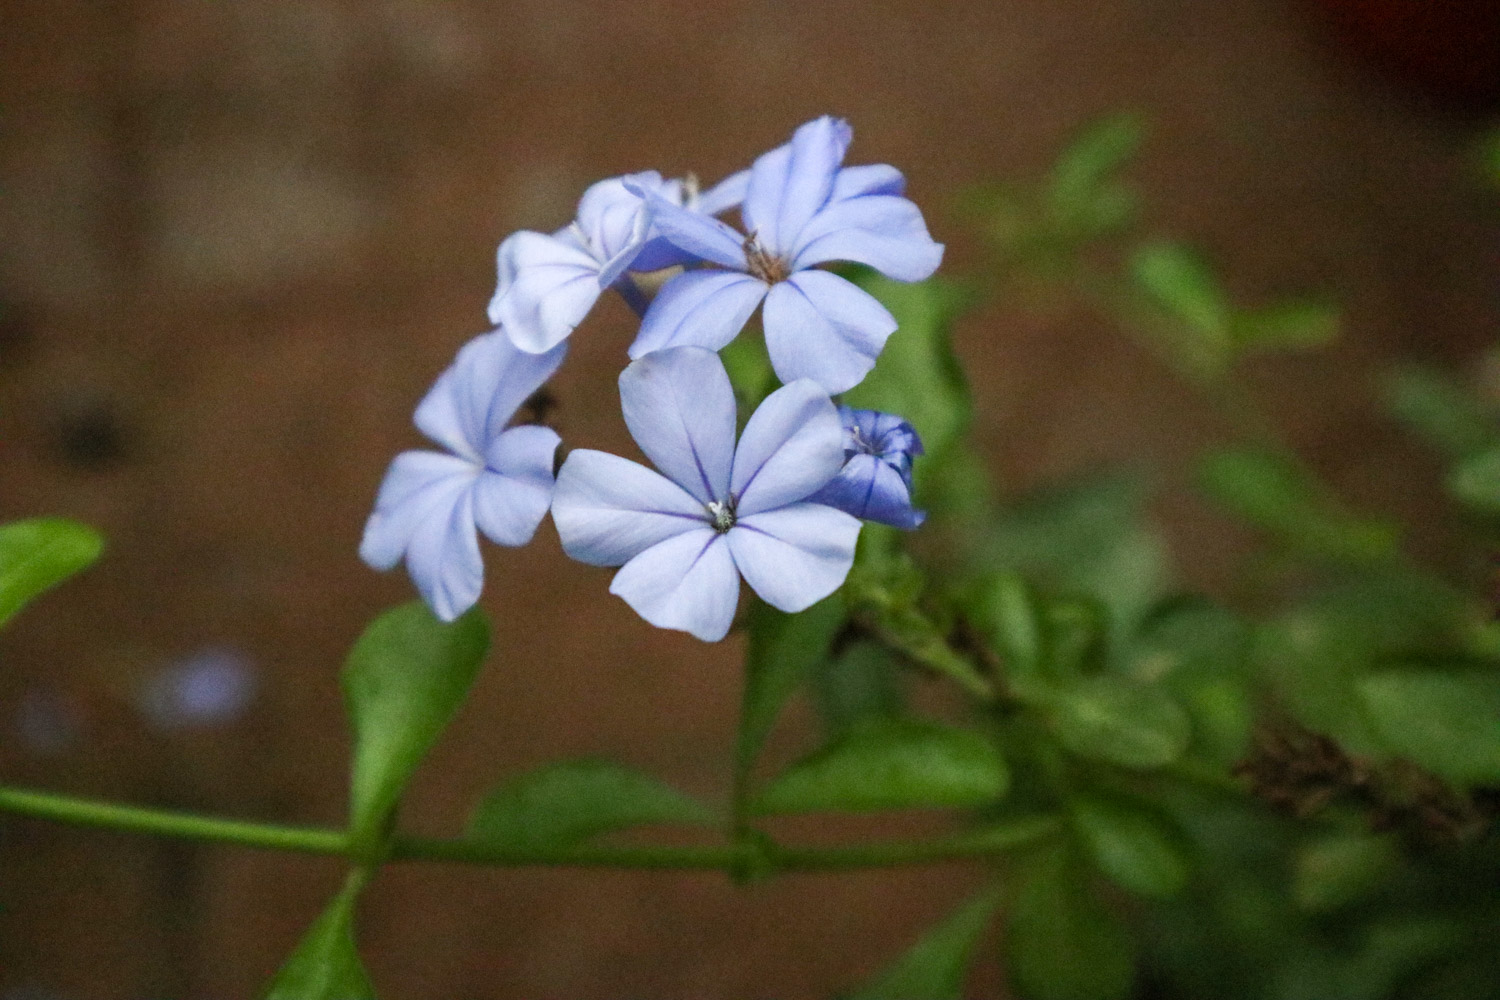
{"x": 722, "y": 515}
{"x": 764, "y": 265}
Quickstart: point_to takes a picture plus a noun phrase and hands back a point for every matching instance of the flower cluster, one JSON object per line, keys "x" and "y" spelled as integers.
{"x": 781, "y": 507}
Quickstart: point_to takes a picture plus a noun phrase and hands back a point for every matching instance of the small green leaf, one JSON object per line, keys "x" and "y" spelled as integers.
{"x": 934, "y": 968}
{"x": 1338, "y": 869}
{"x": 1084, "y": 198}
{"x": 1135, "y": 846}
{"x": 325, "y": 965}
{"x": 1180, "y": 282}
{"x": 38, "y": 554}
{"x": 1452, "y": 419}
{"x": 1112, "y": 719}
{"x": 1476, "y": 481}
{"x": 1301, "y": 325}
{"x": 917, "y": 376}
{"x": 1274, "y": 495}
{"x": 862, "y": 683}
{"x": 571, "y": 801}
{"x": 1062, "y": 943}
{"x": 1009, "y": 617}
{"x": 892, "y": 764}
{"x": 403, "y": 682}
{"x": 1447, "y": 723}
{"x": 783, "y": 649}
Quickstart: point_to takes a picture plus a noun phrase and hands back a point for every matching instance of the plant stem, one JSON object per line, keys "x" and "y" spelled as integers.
{"x": 733, "y": 857}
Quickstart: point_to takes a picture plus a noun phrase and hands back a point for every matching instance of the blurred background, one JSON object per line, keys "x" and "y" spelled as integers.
{"x": 238, "y": 241}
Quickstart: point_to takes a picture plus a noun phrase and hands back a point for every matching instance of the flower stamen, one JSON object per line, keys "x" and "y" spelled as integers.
{"x": 764, "y": 265}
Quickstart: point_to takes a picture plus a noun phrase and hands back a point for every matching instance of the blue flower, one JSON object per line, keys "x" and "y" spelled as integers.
{"x": 495, "y": 479}
{"x": 684, "y": 539}
{"x": 548, "y": 284}
{"x": 801, "y": 210}
{"x": 875, "y": 482}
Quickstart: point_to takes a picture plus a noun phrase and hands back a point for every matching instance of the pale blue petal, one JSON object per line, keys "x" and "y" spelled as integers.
{"x": 679, "y": 407}
{"x": 609, "y": 509}
{"x": 547, "y": 286}
{"x": 873, "y": 178}
{"x": 885, "y": 232}
{"x": 687, "y": 583}
{"x": 443, "y": 557}
{"x": 616, "y": 220}
{"x": 821, "y": 327}
{"x": 417, "y": 485}
{"x": 794, "y": 556}
{"x": 698, "y": 309}
{"x": 869, "y": 488}
{"x": 788, "y": 185}
{"x": 513, "y": 494}
{"x": 792, "y": 445}
{"x": 660, "y": 252}
{"x": 472, "y": 401}
{"x": 728, "y": 193}
{"x": 703, "y": 236}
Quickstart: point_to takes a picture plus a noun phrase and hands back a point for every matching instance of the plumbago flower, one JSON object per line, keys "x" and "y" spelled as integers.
{"x": 801, "y": 210}
{"x": 875, "y": 482}
{"x": 719, "y": 512}
{"x": 493, "y": 479}
{"x": 548, "y": 284}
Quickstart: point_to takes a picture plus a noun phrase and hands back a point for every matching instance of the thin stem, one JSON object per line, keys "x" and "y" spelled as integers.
{"x": 749, "y": 855}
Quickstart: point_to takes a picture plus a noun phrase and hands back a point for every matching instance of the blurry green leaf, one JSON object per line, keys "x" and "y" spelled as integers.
{"x": 325, "y": 965}
{"x": 1136, "y": 847}
{"x": 38, "y": 554}
{"x": 403, "y": 682}
{"x": 863, "y": 682}
{"x": 1008, "y": 615}
{"x": 1275, "y": 496}
{"x": 1489, "y": 157}
{"x": 1112, "y": 719}
{"x": 749, "y": 368}
{"x": 1286, "y": 326}
{"x": 934, "y": 968}
{"x": 917, "y": 376}
{"x": 1201, "y": 653}
{"x": 1181, "y": 282}
{"x": 1075, "y": 637}
{"x": 1476, "y": 481}
{"x": 1447, "y": 723}
{"x": 892, "y": 764}
{"x": 1062, "y": 943}
{"x": 783, "y": 649}
{"x": 1451, "y": 418}
{"x": 570, "y": 801}
{"x": 1337, "y": 869}
{"x": 1081, "y": 191}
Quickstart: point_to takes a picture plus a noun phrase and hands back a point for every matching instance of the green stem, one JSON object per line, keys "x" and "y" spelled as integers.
{"x": 726, "y": 857}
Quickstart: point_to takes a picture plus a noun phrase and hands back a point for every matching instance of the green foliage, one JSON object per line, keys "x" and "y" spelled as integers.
{"x": 892, "y": 764}
{"x": 1062, "y": 943}
{"x": 1447, "y": 723}
{"x": 783, "y": 650}
{"x": 1433, "y": 404}
{"x": 325, "y": 965}
{"x": 1118, "y": 721}
{"x": 935, "y": 966}
{"x": 1304, "y": 324}
{"x": 403, "y": 682}
{"x": 1476, "y": 481}
{"x": 571, "y": 801}
{"x": 1136, "y": 846}
{"x": 1338, "y": 869}
{"x": 749, "y": 366}
{"x": 38, "y": 554}
{"x": 863, "y": 682}
{"x": 1082, "y": 192}
{"x": 1179, "y": 281}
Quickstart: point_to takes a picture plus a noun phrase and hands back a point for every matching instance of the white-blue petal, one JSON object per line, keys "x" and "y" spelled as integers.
{"x": 792, "y": 445}
{"x": 515, "y": 490}
{"x": 472, "y": 401}
{"x": 869, "y": 488}
{"x": 687, "y": 583}
{"x": 700, "y": 309}
{"x": 443, "y": 556}
{"x": 789, "y": 184}
{"x": 609, "y": 509}
{"x": 703, "y": 236}
{"x": 885, "y": 232}
{"x": 871, "y": 178}
{"x": 679, "y": 407}
{"x": 417, "y": 485}
{"x": 821, "y": 327}
{"x": 794, "y": 556}
{"x": 547, "y": 286}
{"x": 728, "y": 193}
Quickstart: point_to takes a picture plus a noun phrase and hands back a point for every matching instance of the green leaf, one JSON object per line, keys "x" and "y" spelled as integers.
{"x": 917, "y": 376}
{"x": 1338, "y": 869}
{"x": 749, "y": 367}
{"x": 1179, "y": 281}
{"x": 892, "y": 764}
{"x": 403, "y": 682}
{"x": 1301, "y": 325}
{"x": 1201, "y": 653}
{"x": 862, "y": 683}
{"x": 38, "y": 554}
{"x": 934, "y": 968}
{"x": 325, "y": 965}
{"x": 1081, "y": 191}
{"x": 1136, "y": 847}
{"x": 1476, "y": 481}
{"x": 570, "y": 801}
{"x": 1112, "y": 719}
{"x": 1452, "y": 419}
{"x": 1447, "y": 723}
{"x": 1009, "y": 617}
{"x": 1062, "y": 943}
{"x": 1276, "y": 496}
{"x": 783, "y": 650}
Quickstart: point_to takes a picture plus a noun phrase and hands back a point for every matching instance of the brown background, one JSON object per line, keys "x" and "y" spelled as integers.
{"x": 240, "y": 239}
